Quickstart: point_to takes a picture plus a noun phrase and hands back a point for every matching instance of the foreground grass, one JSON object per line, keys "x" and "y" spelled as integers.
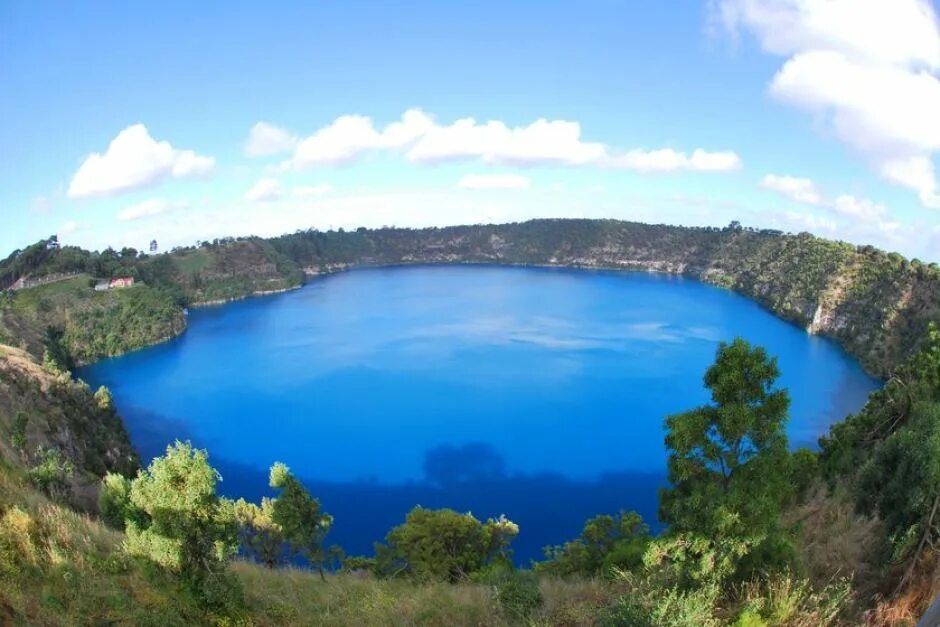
{"x": 59, "y": 567}
{"x": 295, "y": 597}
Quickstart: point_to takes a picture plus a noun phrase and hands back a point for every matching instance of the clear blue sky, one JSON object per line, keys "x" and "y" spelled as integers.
{"x": 687, "y": 112}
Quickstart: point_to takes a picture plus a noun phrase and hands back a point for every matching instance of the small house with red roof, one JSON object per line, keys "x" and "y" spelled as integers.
{"x": 124, "y": 281}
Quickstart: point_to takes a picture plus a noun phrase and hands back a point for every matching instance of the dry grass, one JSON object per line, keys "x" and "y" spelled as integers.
{"x": 906, "y": 607}
{"x": 298, "y": 597}
{"x": 835, "y": 542}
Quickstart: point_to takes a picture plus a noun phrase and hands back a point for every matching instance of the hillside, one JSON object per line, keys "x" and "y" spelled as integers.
{"x": 856, "y": 534}
{"x": 50, "y": 421}
{"x": 875, "y": 304}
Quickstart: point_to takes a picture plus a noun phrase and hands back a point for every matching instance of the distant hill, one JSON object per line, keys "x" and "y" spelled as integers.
{"x": 876, "y": 304}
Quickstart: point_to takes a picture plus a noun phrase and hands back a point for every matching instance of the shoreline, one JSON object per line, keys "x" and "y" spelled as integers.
{"x": 680, "y": 270}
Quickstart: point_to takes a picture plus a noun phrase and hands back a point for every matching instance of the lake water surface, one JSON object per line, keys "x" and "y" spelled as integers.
{"x": 531, "y": 392}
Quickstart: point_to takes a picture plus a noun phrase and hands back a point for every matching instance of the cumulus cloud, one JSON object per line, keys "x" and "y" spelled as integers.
{"x": 68, "y": 228}
{"x": 422, "y": 140}
{"x": 858, "y": 219}
{"x": 147, "y": 209}
{"x": 867, "y": 68}
{"x": 265, "y": 190}
{"x": 134, "y": 160}
{"x": 266, "y": 139}
{"x": 493, "y": 181}
{"x": 311, "y": 191}
{"x": 669, "y": 160}
{"x": 541, "y": 142}
{"x": 795, "y": 188}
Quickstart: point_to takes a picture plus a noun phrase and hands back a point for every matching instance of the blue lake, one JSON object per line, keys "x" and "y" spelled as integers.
{"x": 531, "y": 392}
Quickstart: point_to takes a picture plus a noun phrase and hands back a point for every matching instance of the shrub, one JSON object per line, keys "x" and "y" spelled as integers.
{"x": 51, "y": 473}
{"x": 606, "y": 543}
{"x": 443, "y": 545}
{"x": 179, "y": 522}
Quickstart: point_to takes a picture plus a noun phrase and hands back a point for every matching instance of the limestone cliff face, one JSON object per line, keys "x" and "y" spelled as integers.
{"x": 877, "y": 305}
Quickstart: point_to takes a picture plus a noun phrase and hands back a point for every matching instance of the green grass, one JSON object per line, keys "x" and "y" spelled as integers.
{"x": 45, "y": 297}
{"x": 192, "y": 262}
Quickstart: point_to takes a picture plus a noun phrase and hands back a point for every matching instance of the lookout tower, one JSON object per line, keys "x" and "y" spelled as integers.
{"x": 153, "y": 246}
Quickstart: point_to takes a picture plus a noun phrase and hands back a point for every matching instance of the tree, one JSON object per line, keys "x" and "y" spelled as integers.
{"x": 300, "y": 520}
{"x": 728, "y": 468}
{"x": 177, "y": 520}
{"x": 901, "y": 484}
{"x": 728, "y": 460}
{"x": 607, "y": 542}
{"x": 114, "y": 500}
{"x": 851, "y": 442}
{"x": 104, "y": 400}
{"x": 443, "y": 545}
{"x": 259, "y": 535}
{"x": 56, "y": 355}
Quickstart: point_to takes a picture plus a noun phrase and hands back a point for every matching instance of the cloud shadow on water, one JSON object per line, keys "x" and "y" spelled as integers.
{"x": 549, "y": 507}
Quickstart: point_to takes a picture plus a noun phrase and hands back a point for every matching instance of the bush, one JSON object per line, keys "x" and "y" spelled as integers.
{"x": 176, "y": 519}
{"x": 114, "y": 500}
{"x": 443, "y": 545}
{"x": 605, "y": 544}
{"x": 52, "y": 473}
{"x": 517, "y": 591}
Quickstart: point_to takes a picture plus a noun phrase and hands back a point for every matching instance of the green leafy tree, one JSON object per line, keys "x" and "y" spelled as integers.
{"x": 607, "y": 542}
{"x": 56, "y": 355}
{"x": 300, "y": 520}
{"x": 259, "y": 535}
{"x": 729, "y": 470}
{"x": 114, "y": 500}
{"x": 850, "y": 442}
{"x": 104, "y": 400}
{"x": 901, "y": 484}
{"x": 177, "y": 520}
{"x": 729, "y": 460}
{"x": 443, "y": 545}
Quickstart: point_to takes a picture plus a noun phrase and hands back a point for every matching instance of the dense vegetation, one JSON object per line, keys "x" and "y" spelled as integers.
{"x": 876, "y": 304}
{"x": 756, "y": 534}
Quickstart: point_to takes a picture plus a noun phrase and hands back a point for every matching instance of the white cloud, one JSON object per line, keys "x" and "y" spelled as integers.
{"x": 349, "y": 136}
{"x": 795, "y": 188}
{"x": 859, "y": 209}
{"x": 266, "y": 139}
{"x": 893, "y": 31}
{"x": 867, "y": 68}
{"x": 265, "y": 190}
{"x": 134, "y": 160}
{"x": 493, "y": 181}
{"x": 148, "y": 208}
{"x": 68, "y": 228}
{"x": 311, "y": 191}
{"x": 848, "y": 217}
{"x": 669, "y": 160}
{"x": 422, "y": 140}
{"x": 541, "y": 142}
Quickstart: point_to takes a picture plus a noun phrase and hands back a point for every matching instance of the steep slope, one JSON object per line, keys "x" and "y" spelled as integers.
{"x": 43, "y": 412}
